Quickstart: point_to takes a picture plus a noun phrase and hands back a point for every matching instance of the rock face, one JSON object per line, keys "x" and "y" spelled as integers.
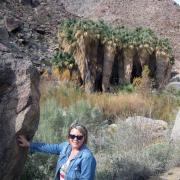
{"x": 19, "y": 111}
{"x": 175, "y": 135}
{"x": 32, "y": 26}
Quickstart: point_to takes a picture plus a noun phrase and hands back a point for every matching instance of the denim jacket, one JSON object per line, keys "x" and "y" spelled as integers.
{"x": 81, "y": 167}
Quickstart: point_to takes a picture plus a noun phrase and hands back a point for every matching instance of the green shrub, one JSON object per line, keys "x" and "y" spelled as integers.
{"x": 83, "y": 112}
{"x": 51, "y": 126}
{"x": 39, "y": 166}
{"x": 127, "y": 88}
{"x": 63, "y": 60}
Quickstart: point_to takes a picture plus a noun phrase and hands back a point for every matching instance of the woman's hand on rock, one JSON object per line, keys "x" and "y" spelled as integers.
{"x": 23, "y": 142}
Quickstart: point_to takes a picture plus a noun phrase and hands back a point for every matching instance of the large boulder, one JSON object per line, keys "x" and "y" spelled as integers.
{"x": 155, "y": 128}
{"x": 19, "y": 111}
{"x": 175, "y": 135}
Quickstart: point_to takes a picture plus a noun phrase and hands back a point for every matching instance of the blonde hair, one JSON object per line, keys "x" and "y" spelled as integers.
{"x": 82, "y": 129}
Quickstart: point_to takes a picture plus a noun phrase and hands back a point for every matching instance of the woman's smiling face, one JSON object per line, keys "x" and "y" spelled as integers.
{"x": 76, "y": 138}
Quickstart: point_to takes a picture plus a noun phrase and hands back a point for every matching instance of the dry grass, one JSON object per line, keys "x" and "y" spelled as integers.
{"x": 121, "y": 104}
{"x": 66, "y": 94}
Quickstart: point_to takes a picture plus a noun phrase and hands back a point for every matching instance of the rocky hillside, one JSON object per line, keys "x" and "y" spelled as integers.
{"x": 37, "y": 21}
{"x": 163, "y": 16}
{"x": 29, "y": 27}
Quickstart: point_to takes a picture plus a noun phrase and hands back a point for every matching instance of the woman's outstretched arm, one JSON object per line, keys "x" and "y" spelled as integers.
{"x": 40, "y": 147}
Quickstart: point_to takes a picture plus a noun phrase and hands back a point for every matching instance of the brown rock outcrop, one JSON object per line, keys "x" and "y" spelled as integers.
{"x": 19, "y": 111}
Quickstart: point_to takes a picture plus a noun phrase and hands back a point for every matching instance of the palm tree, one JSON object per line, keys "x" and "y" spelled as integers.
{"x": 163, "y": 62}
{"x": 145, "y": 41}
{"x": 109, "y": 54}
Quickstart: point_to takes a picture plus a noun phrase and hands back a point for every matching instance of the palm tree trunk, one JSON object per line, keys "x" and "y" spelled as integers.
{"x": 143, "y": 56}
{"x": 128, "y": 54}
{"x": 80, "y": 56}
{"x": 109, "y": 54}
{"x": 86, "y": 59}
{"x": 121, "y": 66}
{"x": 163, "y": 70}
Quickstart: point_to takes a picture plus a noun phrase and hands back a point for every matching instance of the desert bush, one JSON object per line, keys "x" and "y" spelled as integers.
{"x": 127, "y": 169}
{"x": 39, "y": 166}
{"x": 144, "y": 84}
{"x": 52, "y": 119}
{"x": 174, "y": 161}
{"x": 83, "y": 112}
{"x": 165, "y": 106}
{"x": 132, "y": 153}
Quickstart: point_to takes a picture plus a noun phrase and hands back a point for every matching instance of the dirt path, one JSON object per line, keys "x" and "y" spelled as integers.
{"x": 172, "y": 174}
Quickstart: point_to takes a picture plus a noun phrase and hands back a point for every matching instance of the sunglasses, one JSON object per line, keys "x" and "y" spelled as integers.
{"x": 72, "y": 136}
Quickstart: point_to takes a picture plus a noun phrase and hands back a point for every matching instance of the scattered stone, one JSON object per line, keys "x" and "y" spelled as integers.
{"x": 112, "y": 128}
{"x": 33, "y": 3}
{"x": 41, "y": 30}
{"x": 25, "y": 2}
{"x": 3, "y": 48}
{"x": 4, "y": 36}
{"x": 11, "y": 24}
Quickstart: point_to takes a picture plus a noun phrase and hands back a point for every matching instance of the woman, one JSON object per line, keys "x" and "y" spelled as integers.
{"x": 75, "y": 160}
